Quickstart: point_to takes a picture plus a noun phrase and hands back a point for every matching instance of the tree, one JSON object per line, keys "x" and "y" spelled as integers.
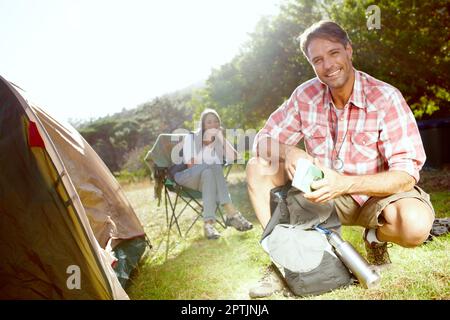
{"x": 99, "y": 135}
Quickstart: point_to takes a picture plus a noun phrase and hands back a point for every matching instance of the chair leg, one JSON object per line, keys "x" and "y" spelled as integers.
{"x": 192, "y": 224}
{"x": 188, "y": 203}
{"x": 166, "y": 194}
{"x": 173, "y": 217}
{"x": 222, "y": 223}
{"x": 227, "y": 171}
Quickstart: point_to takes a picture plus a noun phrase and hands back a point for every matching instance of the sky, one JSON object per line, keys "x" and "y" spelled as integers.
{"x": 83, "y": 59}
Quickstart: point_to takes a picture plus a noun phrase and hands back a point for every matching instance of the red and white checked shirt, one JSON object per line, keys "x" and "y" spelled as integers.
{"x": 376, "y": 132}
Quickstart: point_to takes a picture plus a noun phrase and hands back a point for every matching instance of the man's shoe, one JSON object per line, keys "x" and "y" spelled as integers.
{"x": 238, "y": 222}
{"x": 377, "y": 253}
{"x": 210, "y": 232}
{"x": 269, "y": 284}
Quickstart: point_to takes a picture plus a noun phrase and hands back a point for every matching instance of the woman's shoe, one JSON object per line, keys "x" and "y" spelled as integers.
{"x": 238, "y": 222}
{"x": 210, "y": 232}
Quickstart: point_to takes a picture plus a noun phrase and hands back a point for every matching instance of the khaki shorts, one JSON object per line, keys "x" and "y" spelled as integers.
{"x": 350, "y": 213}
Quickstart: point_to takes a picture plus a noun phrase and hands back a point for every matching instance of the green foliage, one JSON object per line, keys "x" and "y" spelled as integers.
{"x": 429, "y": 105}
{"x": 126, "y": 177}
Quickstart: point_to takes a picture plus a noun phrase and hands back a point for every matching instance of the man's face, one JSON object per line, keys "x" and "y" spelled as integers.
{"x": 331, "y": 61}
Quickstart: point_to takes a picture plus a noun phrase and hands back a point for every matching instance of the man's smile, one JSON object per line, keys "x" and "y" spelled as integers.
{"x": 334, "y": 73}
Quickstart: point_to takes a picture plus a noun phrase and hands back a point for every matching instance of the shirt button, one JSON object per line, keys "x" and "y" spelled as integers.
{"x": 364, "y": 142}
{"x": 342, "y": 118}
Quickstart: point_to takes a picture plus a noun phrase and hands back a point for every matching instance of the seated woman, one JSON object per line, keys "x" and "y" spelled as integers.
{"x": 203, "y": 154}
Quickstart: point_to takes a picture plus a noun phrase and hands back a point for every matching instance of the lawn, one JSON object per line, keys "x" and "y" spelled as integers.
{"x": 226, "y": 268}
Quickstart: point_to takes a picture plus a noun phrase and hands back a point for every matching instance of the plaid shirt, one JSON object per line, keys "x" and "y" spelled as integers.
{"x": 376, "y": 132}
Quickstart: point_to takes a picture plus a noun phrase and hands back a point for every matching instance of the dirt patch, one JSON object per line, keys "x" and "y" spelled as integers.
{"x": 432, "y": 180}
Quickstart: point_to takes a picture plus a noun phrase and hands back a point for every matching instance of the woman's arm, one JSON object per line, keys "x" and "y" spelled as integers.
{"x": 188, "y": 151}
{"x": 190, "y": 163}
{"x": 230, "y": 152}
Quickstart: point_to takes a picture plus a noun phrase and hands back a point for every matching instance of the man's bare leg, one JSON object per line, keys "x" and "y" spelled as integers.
{"x": 408, "y": 223}
{"x": 261, "y": 178}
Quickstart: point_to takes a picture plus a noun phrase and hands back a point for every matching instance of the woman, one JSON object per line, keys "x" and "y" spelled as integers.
{"x": 203, "y": 153}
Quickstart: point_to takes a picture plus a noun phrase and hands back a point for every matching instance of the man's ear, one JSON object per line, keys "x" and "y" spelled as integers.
{"x": 349, "y": 50}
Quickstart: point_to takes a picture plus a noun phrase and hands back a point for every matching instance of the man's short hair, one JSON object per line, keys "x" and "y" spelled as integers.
{"x": 324, "y": 29}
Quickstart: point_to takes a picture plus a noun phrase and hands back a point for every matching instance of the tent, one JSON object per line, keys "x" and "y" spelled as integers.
{"x": 62, "y": 213}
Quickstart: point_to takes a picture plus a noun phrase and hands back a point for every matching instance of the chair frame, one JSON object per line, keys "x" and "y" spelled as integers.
{"x": 178, "y": 190}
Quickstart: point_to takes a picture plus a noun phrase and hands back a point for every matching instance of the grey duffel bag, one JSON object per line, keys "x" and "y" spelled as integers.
{"x": 302, "y": 254}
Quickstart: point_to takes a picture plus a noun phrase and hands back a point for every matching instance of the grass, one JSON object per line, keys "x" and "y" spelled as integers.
{"x": 197, "y": 268}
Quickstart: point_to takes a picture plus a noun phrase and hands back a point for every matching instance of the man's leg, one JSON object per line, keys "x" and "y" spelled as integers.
{"x": 408, "y": 222}
{"x": 261, "y": 178}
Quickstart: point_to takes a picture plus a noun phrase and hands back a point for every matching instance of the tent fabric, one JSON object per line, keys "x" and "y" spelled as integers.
{"x": 44, "y": 229}
{"x": 109, "y": 212}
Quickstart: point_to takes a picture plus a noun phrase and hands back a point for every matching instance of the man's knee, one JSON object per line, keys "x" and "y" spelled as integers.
{"x": 415, "y": 222}
{"x": 253, "y": 172}
{"x": 252, "y": 168}
{"x": 260, "y": 171}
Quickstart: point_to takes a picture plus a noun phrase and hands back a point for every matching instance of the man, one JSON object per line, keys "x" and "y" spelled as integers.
{"x": 361, "y": 133}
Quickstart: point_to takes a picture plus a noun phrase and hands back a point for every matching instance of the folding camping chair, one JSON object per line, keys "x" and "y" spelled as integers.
{"x": 159, "y": 159}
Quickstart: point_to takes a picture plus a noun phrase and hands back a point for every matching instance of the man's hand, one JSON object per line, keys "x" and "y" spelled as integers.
{"x": 331, "y": 186}
{"x": 292, "y": 154}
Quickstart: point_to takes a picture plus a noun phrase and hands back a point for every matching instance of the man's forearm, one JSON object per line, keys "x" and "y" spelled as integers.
{"x": 380, "y": 184}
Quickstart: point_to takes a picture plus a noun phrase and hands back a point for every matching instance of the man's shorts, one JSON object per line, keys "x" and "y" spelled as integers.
{"x": 350, "y": 213}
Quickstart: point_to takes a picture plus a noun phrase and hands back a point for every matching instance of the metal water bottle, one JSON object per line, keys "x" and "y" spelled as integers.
{"x": 368, "y": 277}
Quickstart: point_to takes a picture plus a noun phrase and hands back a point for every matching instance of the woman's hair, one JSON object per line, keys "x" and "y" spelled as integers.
{"x": 203, "y": 118}
{"x": 198, "y": 134}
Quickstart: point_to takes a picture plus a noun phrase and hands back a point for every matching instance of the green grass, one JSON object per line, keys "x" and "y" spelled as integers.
{"x": 197, "y": 268}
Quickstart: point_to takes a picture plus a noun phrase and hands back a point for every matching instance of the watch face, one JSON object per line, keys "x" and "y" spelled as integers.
{"x": 338, "y": 164}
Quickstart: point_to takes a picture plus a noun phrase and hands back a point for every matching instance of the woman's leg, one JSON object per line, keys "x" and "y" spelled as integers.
{"x": 201, "y": 177}
{"x": 223, "y": 195}
{"x": 209, "y": 191}
{"x": 234, "y": 217}
{"x": 222, "y": 189}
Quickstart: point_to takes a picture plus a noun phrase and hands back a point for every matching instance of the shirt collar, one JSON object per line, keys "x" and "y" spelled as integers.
{"x": 357, "y": 98}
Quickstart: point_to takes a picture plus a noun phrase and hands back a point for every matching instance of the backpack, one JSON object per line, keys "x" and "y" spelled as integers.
{"x": 300, "y": 252}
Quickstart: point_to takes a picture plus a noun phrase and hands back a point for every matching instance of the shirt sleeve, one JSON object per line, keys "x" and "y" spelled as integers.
{"x": 283, "y": 125}
{"x": 400, "y": 141}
